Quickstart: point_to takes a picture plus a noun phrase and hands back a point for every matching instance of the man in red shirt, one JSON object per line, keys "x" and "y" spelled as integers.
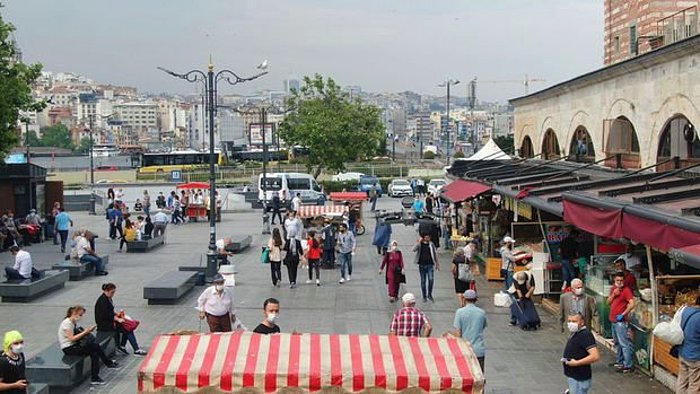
{"x": 410, "y": 321}
{"x": 621, "y": 302}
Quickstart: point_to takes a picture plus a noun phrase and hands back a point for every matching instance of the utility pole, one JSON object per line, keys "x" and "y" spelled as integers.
{"x": 447, "y": 84}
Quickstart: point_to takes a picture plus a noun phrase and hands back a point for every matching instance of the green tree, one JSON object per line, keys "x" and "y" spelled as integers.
{"x": 57, "y": 136}
{"x": 84, "y": 146}
{"x": 505, "y": 143}
{"x": 32, "y": 139}
{"x": 16, "y": 81}
{"x": 334, "y": 127}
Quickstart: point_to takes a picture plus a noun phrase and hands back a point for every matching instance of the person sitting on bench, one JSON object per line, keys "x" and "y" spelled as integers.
{"x": 221, "y": 251}
{"x": 87, "y": 255}
{"x": 23, "y": 268}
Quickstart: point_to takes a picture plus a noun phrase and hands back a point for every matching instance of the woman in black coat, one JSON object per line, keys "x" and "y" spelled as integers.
{"x": 291, "y": 259}
{"x": 107, "y": 320}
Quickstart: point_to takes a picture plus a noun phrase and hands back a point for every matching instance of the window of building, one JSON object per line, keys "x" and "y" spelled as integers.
{"x": 616, "y": 44}
{"x": 633, "y": 41}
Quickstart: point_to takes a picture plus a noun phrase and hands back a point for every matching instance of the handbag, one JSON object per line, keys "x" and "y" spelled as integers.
{"x": 265, "y": 257}
{"x": 129, "y": 325}
{"x": 464, "y": 273}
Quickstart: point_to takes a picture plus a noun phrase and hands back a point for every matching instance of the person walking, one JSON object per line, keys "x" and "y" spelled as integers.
{"x": 577, "y": 302}
{"x": 523, "y": 309}
{"x": 418, "y": 206}
{"x": 146, "y": 203}
{"x": 62, "y": 224}
{"x": 293, "y": 254}
{"x": 296, "y": 202}
{"x": 507, "y": 262}
{"x": 621, "y": 302}
{"x": 329, "y": 242}
{"x": 460, "y": 262}
{"x": 293, "y": 226}
{"x": 274, "y": 246}
{"x": 128, "y": 235}
{"x": 470, "y": 324}
{"x": 395, "y": 274}
{"x": 689, "y": 354}
{"x": 568, "y": 249}
{"x": 579, "y": 353}
{"x": 217, "y": 306}
{"x": 373, "y": 197}
{"x": 276, "y": 206}
{"x": 382, "y": 235}
{"x": 313, "y": 257}
{"x": 426, "y": 257}
{"x": 346, "y": 249}
{"x": 410, "y": 321}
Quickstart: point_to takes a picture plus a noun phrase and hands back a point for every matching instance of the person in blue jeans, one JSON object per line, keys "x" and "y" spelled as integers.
{"x": 62, "y": 224}
{"x": 88, "y": 256}
{"x": 621, "y": 300}
{"x": 427, "y": 260}
{"x": 346, "y": 247}
{"x": 568, "y": 249}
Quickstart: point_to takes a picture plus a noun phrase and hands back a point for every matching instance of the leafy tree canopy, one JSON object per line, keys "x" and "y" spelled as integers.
{"x": 84, "y": 146}
{"x": 505, "y": 143}
{"x": 16, "y": 81}
{"x": 57, "y": 136}
{"x": 333, "y": 126}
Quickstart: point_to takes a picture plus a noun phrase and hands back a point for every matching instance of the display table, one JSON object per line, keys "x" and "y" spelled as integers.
{"x": 194, "y": 212}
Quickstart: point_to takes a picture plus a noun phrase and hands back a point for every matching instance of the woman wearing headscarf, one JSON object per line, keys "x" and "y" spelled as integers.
{"x": 293, "y": 250}
{"x": 382, "y": 235}
{"x": 393, "y": 262}
{"x": 12, "y": 364}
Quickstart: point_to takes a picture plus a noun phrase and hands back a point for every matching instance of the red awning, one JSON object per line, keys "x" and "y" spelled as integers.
{"x": 241, "y": 361}
{"x": 461, "y": 190}
{"x": 690, "y": 255}
{"x": 193, "y": 185}
{"x": 660, "y": 235}
{"x": 605, "y": 222}
{"x": 348, "y": 196}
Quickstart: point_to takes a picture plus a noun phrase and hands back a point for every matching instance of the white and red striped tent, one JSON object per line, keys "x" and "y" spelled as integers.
{"x": 312, "y": 211}
{"x": 248, "y": 362}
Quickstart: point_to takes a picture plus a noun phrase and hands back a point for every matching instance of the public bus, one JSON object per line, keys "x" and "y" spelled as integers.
{"x": 164, "y": 162}
{"x": 105, "y": 150}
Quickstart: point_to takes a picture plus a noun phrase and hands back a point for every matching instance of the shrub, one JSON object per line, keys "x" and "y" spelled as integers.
{"x": 428, "y": 155}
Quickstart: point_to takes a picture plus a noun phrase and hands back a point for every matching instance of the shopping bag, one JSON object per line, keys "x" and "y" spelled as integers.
{"x": 265, "y": 257}
{"x": 671, "y": 332}
{"x": 464, "y": 273}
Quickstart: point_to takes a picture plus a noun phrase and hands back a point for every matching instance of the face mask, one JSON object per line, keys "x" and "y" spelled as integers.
{"x": 393, "y": 248}
{"x": 521, "y": 282}
{"x": 573, "y": 327}
{"x": 620, "y": 285}
{"x": 219, "y": 288}
{"x": 18, "y": 348}
{"x": 578, "y": 291}
{"x": 272, "y": 317}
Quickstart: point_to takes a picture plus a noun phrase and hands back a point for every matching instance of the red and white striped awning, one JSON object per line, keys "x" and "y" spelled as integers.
{"x": 233, "y": 362}
{"x": 310, "y": 211}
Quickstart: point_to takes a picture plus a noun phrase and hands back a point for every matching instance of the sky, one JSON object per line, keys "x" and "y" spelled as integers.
{"x": 380, "y": 45}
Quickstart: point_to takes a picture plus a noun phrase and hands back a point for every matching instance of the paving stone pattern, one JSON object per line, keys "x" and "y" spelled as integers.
{"x": 516, "y": 361}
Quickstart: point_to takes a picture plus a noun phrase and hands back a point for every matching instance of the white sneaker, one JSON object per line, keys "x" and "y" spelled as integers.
{"x": 318, "y": 282}
{"x": 341, "y": 280}
{"x": 348, "y": 279}
{"x": 309, "y": 281}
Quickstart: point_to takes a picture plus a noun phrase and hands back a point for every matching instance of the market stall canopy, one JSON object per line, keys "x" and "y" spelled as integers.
{"x": 193, "y": 185}
{"x": 348, "y": 196}
{"x": 461, "y": 190}
{"x": 239, "y": 361}
{"x": 490, "y": 151}
{"x": 689, "y": 255}
{"x": 312, "y": 211}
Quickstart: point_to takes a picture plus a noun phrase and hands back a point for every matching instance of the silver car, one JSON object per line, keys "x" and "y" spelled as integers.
{"x": 400, "y": 187}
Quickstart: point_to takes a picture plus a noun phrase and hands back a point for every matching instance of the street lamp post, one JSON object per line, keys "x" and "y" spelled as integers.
{"x": 265, "y": 216}
{"x": 93, "y": 197}
{"x": 210, "y": 81}
{"x": 447, "y": 84}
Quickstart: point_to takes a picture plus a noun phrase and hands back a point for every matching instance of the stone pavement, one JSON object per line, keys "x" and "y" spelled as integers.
{"x": 516, "y": 361}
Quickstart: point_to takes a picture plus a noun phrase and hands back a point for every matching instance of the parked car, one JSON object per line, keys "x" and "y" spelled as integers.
{"x": 366, "y": 182}
{"x": 399, "y": 187}
{"x": 436, "y": 185}
{"x": 348, "y": 176}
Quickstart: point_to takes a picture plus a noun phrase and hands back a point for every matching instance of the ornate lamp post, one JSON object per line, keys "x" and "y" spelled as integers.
{"x": 210, "y": 80}
{"x": 448, "y": 83}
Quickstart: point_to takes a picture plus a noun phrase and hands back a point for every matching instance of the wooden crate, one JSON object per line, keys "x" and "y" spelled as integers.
{"x": 663, "y": 358}
{"x": 493, "y": 268}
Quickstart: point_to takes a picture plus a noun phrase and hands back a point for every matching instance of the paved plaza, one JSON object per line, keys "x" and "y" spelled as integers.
{"x": 516, "y": 361}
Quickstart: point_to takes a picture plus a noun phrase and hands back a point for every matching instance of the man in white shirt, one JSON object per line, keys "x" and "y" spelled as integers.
{"x": 88, "y": 256}
{"x": 23, "y": 264}
{"x": 632, "y": 262}
{"x": 216, "y": 304}
{"x": 296, "y": 202}
{"x": 160, "y": 221}
{"x": 293, "y": 226}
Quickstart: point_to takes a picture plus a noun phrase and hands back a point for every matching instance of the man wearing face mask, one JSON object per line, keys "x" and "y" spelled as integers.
{"x": 577, "y": 302}
{"x": 216, "y": 304}
{"x": 12, "y": 367}
{"x": 271, "y": 311}
{"x": 621, "y": 302}
{"x": 580, "y": 352}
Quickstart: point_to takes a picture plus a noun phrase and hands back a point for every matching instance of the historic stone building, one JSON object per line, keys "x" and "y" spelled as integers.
{"x": 635, "y": 113}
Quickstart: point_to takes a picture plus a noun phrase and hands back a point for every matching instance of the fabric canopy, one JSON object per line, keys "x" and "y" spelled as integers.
{"x": 193, "y": 185}
{"x": 310, "y": 211}
{"x": 461, "y": 190}
{"x": 657, "y": 234}
{"x": 348, "y": 196}
{"x": 241, "y": 361}
{"x": 605, "y": 222}
{"x": 690, "y": 255}
{"x": 490, "y": 151}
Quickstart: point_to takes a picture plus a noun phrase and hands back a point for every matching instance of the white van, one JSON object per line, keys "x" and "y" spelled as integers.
{"x": 288, "y": 184}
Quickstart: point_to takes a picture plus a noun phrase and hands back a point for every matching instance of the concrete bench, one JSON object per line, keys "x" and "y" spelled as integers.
{"x": 38, "y": 388}
{"x": 76, "y": 269}
{"x": 144, "y": 245}
{"x": 61, "y": 372}
{"x": 239, "y": 243}
{"x": 25, "y": 290}
{"x": 167, "y": 289}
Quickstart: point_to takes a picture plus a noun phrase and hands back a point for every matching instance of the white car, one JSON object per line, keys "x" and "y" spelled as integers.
{"x": 400, "y": 187}
{"x": 435, "y": 186}
{"x": 348, "y": 177}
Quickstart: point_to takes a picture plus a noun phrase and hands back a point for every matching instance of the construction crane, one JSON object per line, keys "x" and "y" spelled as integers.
{"x": 526, "y": 82}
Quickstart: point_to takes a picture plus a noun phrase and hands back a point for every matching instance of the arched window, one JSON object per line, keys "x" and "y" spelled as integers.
{"x": 678, "y": 138}
{"x": 526, "y": 149}
{"x": 581, "y": 148}
{"x": 550, "y": 146}
{"x": 622, "y": 143}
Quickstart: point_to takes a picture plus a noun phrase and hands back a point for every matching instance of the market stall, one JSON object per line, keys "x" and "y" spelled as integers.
{"x": 248, "y": 362}
{"x": 193, "y": 210}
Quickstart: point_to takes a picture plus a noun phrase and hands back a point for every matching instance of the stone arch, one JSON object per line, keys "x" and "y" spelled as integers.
{"x": 622, "y": 142}
{"x": 678, "y": 138}
{"x": 581, "y": 147}
{"x": 673, "y": 105}
{"x": 526, "y": 149}
{"x": 582, "y": 119}
{"x": 550, "y": 145}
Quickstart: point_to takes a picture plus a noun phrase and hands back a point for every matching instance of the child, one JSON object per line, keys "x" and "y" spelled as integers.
{"x": 138, "y": 207}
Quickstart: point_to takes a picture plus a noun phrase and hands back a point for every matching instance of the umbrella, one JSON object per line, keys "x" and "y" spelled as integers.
{"x": 193, "y": 185}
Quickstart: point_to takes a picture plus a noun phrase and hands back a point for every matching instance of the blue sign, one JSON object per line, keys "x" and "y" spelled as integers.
{"x": 176, "y": 176}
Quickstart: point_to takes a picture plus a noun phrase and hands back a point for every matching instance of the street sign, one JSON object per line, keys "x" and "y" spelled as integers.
{"x": 176, "y": 176}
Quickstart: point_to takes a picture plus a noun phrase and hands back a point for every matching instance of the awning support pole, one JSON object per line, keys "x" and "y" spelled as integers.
{"x": 654, "y": 305}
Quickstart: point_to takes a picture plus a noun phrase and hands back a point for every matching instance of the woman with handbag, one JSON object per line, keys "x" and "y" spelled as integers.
{"x": 292, "y": 257}
{"x": 314, "y": 252}
{"x": 463, "y": 277}
{"x": 274, "y": 246}
{"x": 110, "y": 321}
{"x": 77, "y": 341}
{"x": 393, "y": 262}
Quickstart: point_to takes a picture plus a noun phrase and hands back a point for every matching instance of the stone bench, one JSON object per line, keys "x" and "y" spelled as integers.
{"x": 61, "y": 372}
{"x": 239, "y": 243}
{"x": 38, "y": 388}
{"x": 76, "y": 269}
{"x": 25, "y": 290}
{"x": 170, "y": 287}
{"x": 144, "y": 245}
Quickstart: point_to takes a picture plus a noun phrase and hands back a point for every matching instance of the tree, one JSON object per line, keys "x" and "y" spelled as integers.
{"x": 84, "y": 146}
{"x": 32, "y": 139}
{"x": 505, "y": 143}
{"x": 334, "y": 127}
{"x": 56, "y": 136}
{"x": 16, "y": 81}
